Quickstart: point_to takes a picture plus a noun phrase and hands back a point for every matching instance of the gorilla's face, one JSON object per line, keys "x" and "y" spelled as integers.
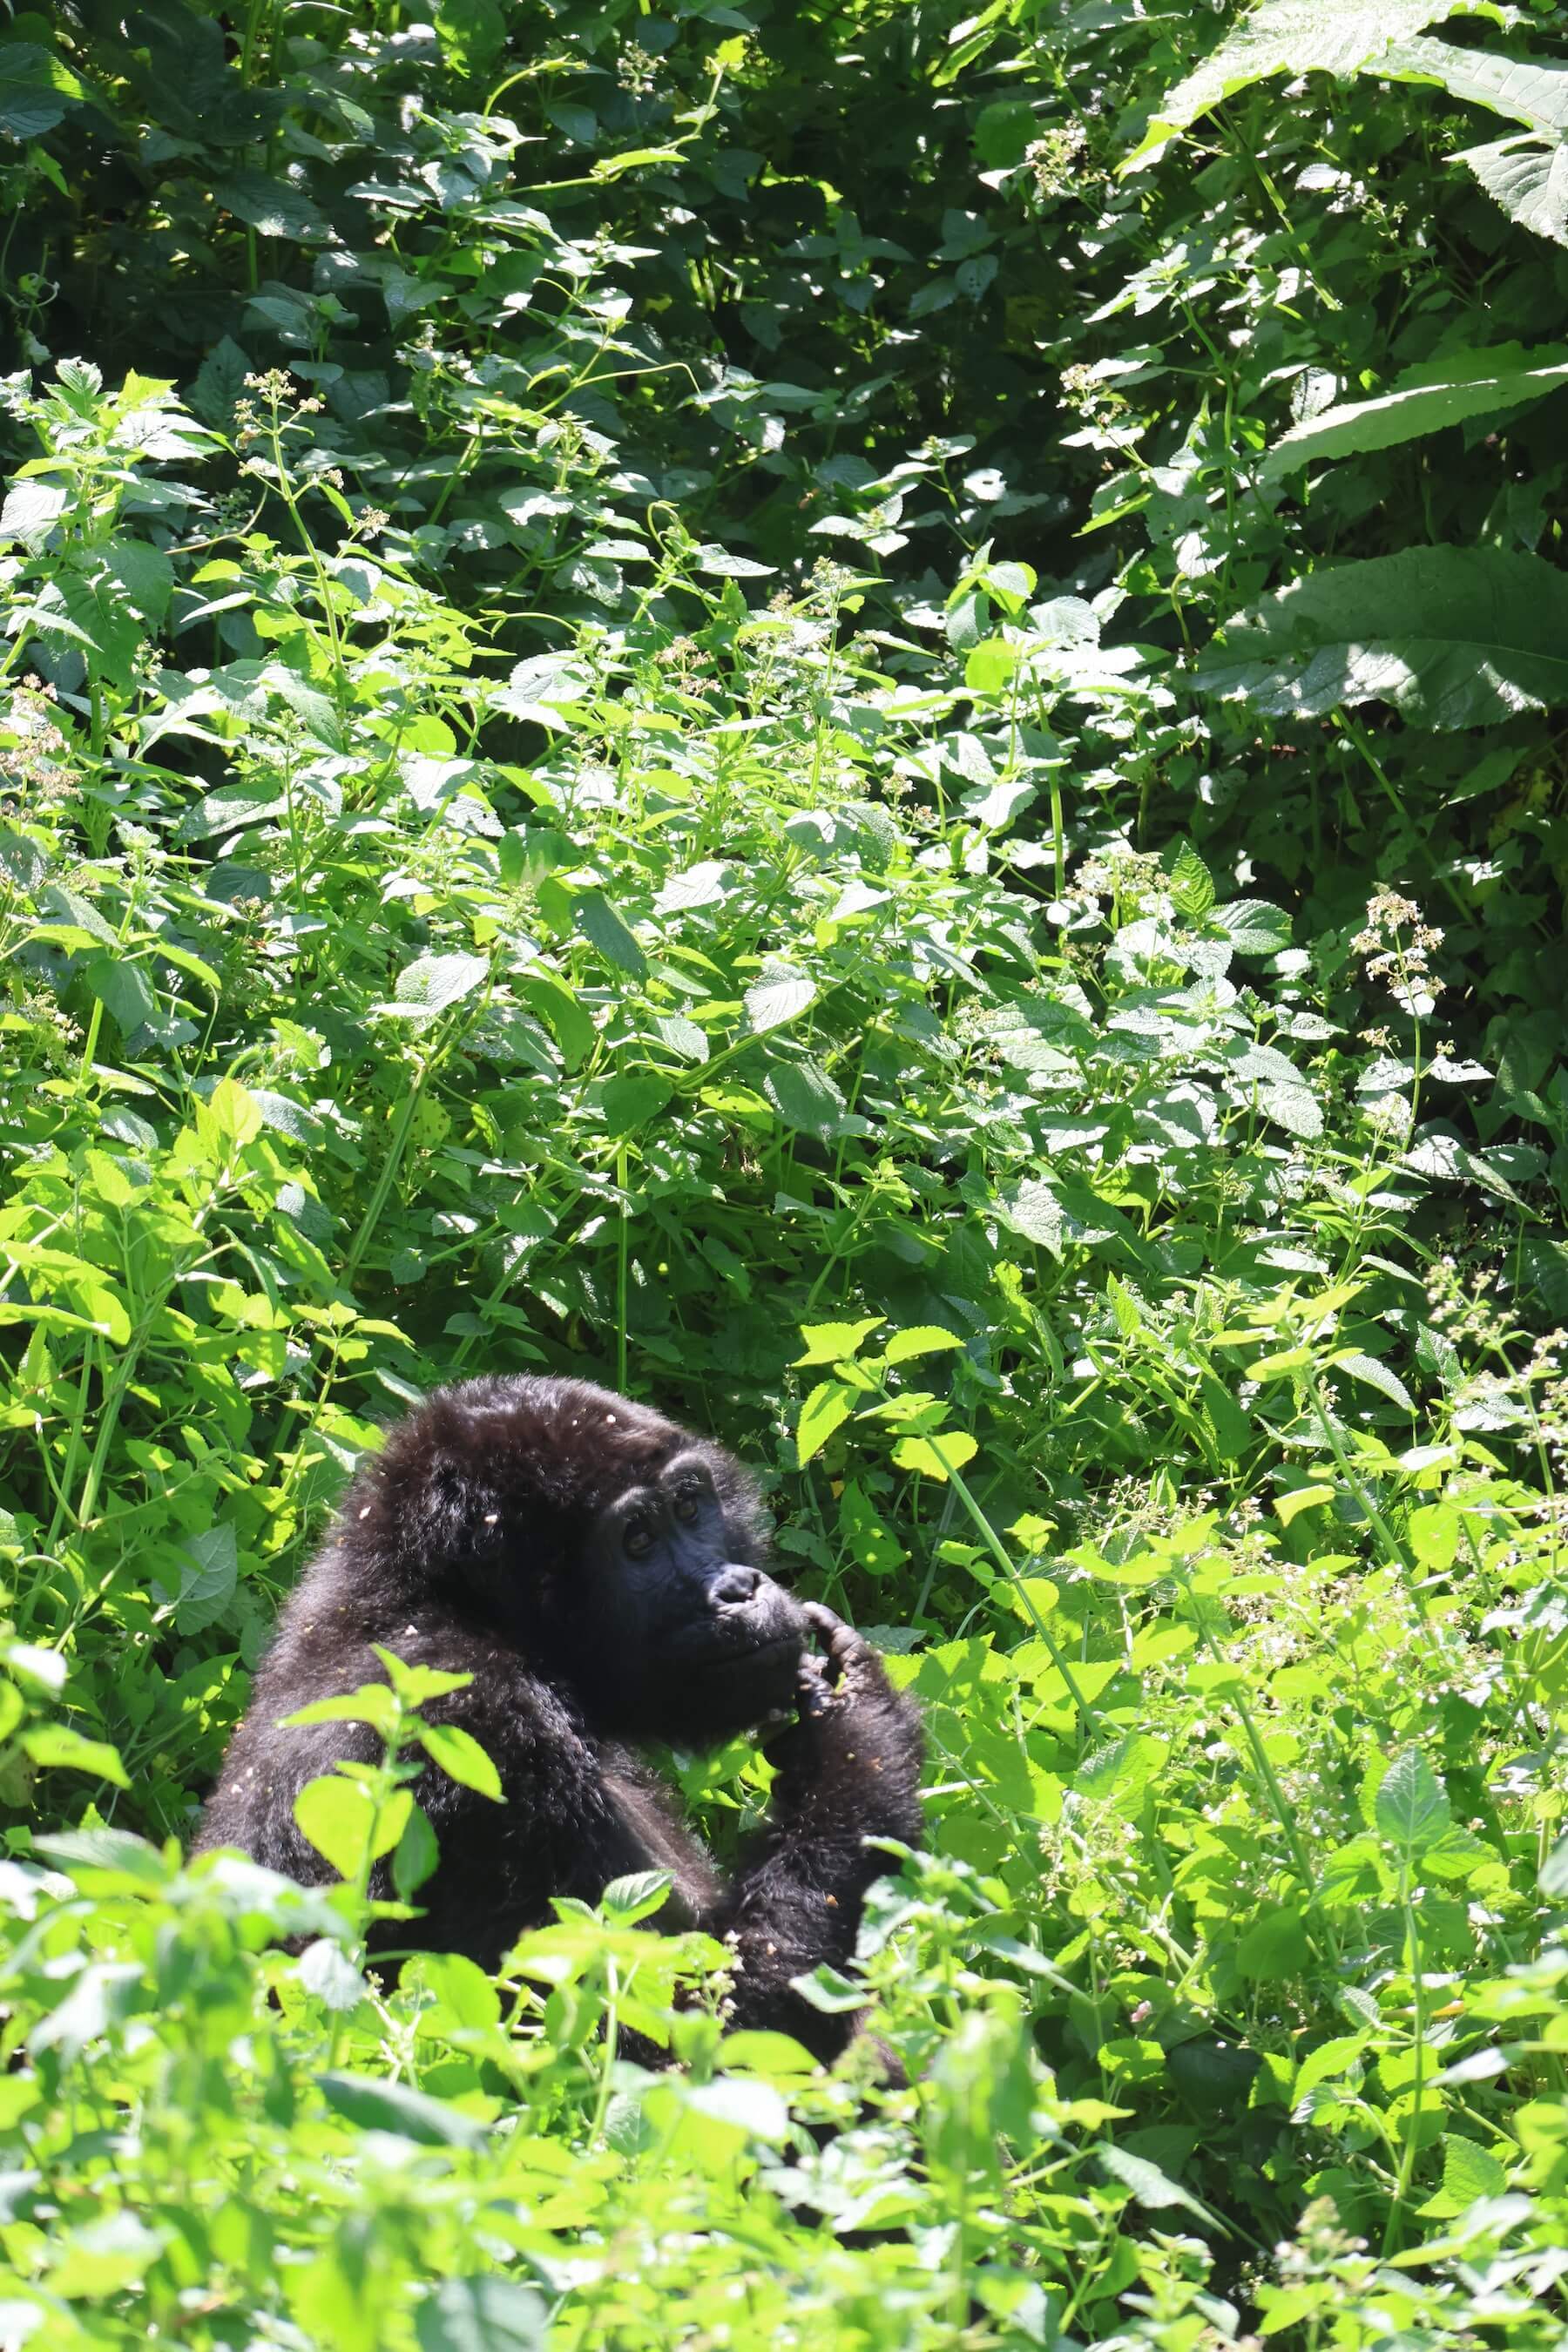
{"x": 681, "y": 1637}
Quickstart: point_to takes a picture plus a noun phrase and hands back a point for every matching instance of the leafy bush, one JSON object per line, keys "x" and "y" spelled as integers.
{"x": 767, "y": 702}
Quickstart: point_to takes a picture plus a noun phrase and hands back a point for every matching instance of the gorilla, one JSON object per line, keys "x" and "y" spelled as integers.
{"x": 600, "y": 1574}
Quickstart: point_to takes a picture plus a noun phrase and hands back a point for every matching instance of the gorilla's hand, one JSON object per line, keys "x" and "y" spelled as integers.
{"x": 855, "y": 1746}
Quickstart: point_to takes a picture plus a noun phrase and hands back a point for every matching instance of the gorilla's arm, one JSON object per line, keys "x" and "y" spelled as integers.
{"x": 849, "y": 1770}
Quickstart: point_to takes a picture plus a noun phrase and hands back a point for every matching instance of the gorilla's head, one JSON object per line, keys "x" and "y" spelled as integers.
{"x": 629, "y": 1556}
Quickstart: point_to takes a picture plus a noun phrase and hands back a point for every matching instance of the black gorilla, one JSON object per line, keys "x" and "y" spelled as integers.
{"x": 598, "y": 1573}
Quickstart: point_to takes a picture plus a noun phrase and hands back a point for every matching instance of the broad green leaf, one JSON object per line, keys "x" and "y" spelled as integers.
{"x": 1470, "y": 2171}
{"x": 1528, "y": 178}
{"x": 829, "y": 1404}
{"x": 1452, "y": 636}
{"x": 1425, "y": 399}
{"x": 373, "y": 1703}
{"x": 1410, "y": 1809}
{"x": 55, "y": 1747}
{"x": 1374, "y": 1375}
{"x": 484, "y": 2314}
{"x": 1118, "y": 1773}
{"x": 1274, "y": 1947}
{"x": 36, "y": 88}
{"x": 335, "y": 1814}
{"x": 925, "y": 1340}
{"x": 1294, "y": 36}
{"x": 1032, "y": 1209}
{"x": 1531, "y": 90}
{"x": 1144, "y": 2180}
{"x": 415, "y": 1856}
{"x": 461, "y": 1756}
{"x": 779, "y": 996}
{"x": 462, "y": 1986}
{"x": 1301, "y": 1498}
{"x": 933, "y": 1458}
{"x": 804, "y": 1097}
{"x": 431, "y": 984}
{"x": 373, "y": 2105}
{"x": 637, "y": 1897}
{"x": 599, "y": 923}
{"x": 834, "y": 1343}
{"x": 207, "y": 1586}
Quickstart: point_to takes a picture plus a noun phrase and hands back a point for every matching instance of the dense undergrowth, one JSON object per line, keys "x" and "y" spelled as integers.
{"x": 686, "y": 674}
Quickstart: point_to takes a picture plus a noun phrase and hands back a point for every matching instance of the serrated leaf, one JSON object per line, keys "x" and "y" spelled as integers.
{"x": 1191, "y": 884}
{"x": 1527, "y": 178}
{"x": 1425, "y": 399}
{"x": 779, "y": 997}
{"x": 933, "y": 1458}
{"x": 924, "y": 1339}
{"x": 1301, "y": 1498}
{"x": 55, "y": 1747}
{"x": 804, "y": 1097}
{"x": 1374, "y": 1375}
{"x": 599, "y": 923}
{"x": 825, "y": 1410}
{"x": 834, "y": 1343}
{"x": 1532, "y": 90}
{"x": 371, "y": 2105}
{"x": 1032, "y": 1209}
{"x": 1148, "y": 2184}
{"x": 461, "y": 1756}
{"x": 1450, "y": 636}
{"x": 1294, "y": 36}
{"x": 432, "y": 983}
{"x": 1410, "y": 1809}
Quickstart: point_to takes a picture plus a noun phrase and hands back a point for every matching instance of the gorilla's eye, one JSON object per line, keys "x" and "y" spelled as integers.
{"x": 637, "y": 1541}
{"x": 687, "y": 1500}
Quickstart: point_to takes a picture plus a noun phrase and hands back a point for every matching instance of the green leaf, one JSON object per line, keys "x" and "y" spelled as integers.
{"x": 35, "y": 89}
{"x": 804, "y": 1097}
{"x": 1191, "y": 883}
{"x": 1528, "y": 178}
{"x": 599, "y": 923}
{"x": 836, "y": 1343}
{"x": 1032, "y": 1209}
{"x": 373, "y": 2105}
{"x": 207, "y": 1587}
{"x": 1294, "y": 36}
{"x": 1290, "y": 1506}
{"x": 828, "y": 1405}
{"x": 637, "y": 1897}
{"x": 924, "y": 1339}
{"x": 56, "y": 1746}
{"x": 461, "y": 1756}
{"x": 415, "y": 1856}
{"x": 1374, "y": 1375}
{"x": 1118, "y": 1773}
{"x": 778, "y": 997}
{"x": 1410, "y": 1809}
{"x": 1451, "y": 636}
{"x": 336, "y": 1815}
{"x": 1470, "y": 2171}
{"x": 1531, "y": 90}
{"x": 1425, "y": 399}
{"x": 1146, "y": 2182}
{"x": 933, "y": 1458}
{"x": 432, "y": 983}
{"x": 481, "y": 2315}
{"x": 1274, "y": 1947}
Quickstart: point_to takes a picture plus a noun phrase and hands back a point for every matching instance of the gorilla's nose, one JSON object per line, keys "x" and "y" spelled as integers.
{"x": 733, "y": 1586}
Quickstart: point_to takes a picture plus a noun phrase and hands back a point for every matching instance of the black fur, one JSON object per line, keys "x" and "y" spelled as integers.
{"x": 482, "y": 1540}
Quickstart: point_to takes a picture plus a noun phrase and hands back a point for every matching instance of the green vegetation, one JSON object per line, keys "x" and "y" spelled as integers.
{"x": 681, "y": 674}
